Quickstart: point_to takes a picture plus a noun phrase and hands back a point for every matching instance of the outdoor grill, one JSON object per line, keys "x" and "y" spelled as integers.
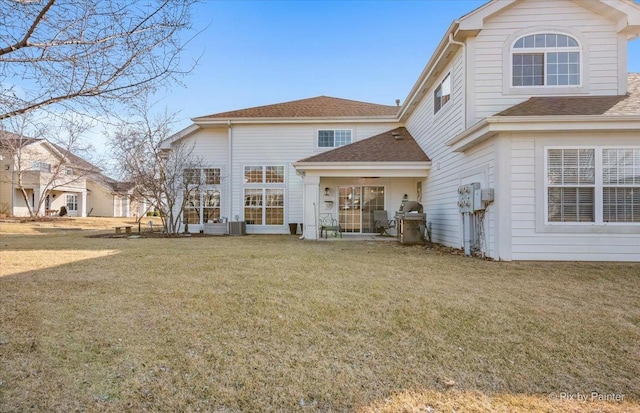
{"x": 411, "y": 223}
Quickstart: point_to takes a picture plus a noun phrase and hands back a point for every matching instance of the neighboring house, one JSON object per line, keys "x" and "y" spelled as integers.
{"x": 110, "y": 198}
{"x": 527, "y": 97}
{"x": 58, "y": 177}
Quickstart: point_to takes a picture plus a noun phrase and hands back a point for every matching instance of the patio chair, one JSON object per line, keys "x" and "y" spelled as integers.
{"x": 328, "y": 223}
{"x": 382, "y": 223}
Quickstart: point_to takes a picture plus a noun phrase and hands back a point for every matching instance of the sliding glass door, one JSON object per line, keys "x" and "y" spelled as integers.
{"x": 356, "y": 205}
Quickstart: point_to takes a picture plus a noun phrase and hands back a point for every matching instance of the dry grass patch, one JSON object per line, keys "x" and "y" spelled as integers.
{"x": 273, "y": 323}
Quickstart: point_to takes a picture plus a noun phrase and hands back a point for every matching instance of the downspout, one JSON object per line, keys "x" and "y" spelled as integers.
{"x": 464, "y": 77}
{"x": 230, "y": 169}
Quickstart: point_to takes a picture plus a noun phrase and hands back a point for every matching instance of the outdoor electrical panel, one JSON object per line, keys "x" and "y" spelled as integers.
{"x": 482, "y": 198}
{"x": 466, "y": 198}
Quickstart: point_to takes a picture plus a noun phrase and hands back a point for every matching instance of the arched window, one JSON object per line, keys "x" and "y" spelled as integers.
{"x": 545, "y": 59}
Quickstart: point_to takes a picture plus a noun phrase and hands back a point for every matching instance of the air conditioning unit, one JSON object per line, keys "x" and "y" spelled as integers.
{"x": 237, "y": 228}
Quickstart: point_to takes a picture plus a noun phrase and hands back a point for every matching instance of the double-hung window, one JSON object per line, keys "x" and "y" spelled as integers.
{"x": 334, "y": 138}
{"x": 545, "y": 59}
{"x": 442, "y": 94}
{"x": 593, "y": 184}
{"x": 571, "y": 185}
{"x": 264, "y": 194}
{"x": 621, "y": 184}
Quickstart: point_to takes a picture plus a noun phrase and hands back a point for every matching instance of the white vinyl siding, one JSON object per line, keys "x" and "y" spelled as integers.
{"x": 283, "y": 145}
{"x": 491, "y": 60}
{"x": 532, "y": 237}
{"x": 448, "y": 168}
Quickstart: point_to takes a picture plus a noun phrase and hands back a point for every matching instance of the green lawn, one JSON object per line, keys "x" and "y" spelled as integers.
{"x": 272, "y": 323}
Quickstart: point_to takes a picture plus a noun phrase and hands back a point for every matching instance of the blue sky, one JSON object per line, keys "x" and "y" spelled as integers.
{"x": 261, "y": 52}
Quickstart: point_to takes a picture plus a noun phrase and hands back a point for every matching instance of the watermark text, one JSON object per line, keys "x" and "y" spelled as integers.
{"x": 588, "y": 397}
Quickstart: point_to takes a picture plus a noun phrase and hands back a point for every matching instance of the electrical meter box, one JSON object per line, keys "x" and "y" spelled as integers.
{"x": 482, "y": 198}
{"x": 466, "y": 198}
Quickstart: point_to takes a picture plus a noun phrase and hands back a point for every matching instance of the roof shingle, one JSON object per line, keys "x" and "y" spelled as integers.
{"x": 396, "y": 145}
{"x": 317, "y": 107}
{"x": 582, "y": 105}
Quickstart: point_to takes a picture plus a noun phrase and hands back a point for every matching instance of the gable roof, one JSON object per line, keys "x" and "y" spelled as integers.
{"x": 582, "y": 105}
{"x": 626, "y": 13}
{"x": 317, "y": 107}
{"x": 396, "y": 145}
{"x": 114, "y": 186}
{"x": 10, "y": 141}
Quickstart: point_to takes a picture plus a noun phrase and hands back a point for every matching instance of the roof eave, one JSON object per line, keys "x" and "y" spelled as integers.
{"x": 166, "y": 143}
{"x": 246, "y": 121}
{"x": 412, "y": 98}
{"x": 493, "y": 125}
{"x": 386, "y": 165}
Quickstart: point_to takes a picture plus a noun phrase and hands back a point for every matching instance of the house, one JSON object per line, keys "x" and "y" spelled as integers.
{"x": 525, "y": 109}
{"x": 107, "y": 197}
{"x": 54, "y": 179}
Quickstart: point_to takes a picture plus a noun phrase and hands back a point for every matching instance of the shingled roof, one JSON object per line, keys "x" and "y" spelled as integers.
{"x": 396, "y": 145}
{"x": 10, "y": 141}
{"x": 317, "y": 107}
{"x": 582, "y": 105}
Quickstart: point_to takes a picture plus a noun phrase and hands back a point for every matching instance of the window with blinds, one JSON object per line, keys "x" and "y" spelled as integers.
{"x": 593, "y": 184}
{"x": 621, "y": 185}
{"x": 571, "y": 185}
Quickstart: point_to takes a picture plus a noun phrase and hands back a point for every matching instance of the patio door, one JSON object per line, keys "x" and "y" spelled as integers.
{"x": 356, "y": 205}
{"x": 72, "y": 205}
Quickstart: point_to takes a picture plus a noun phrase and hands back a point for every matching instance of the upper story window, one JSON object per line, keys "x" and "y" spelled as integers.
{"x": 211, "y": 176}
{"x": 442, "y": 94}
{"x": 334, "y": 138}
{"x": 268, "y": 174}
{"x": 192, "y": 176}
{"x": 546, "y": 59}
{"x": 41, "y": 166}
{"x": 206, "y": 176}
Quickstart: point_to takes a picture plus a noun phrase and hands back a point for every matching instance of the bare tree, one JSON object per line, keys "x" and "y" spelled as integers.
{"x": 46, "y": 163}
{"x": 162, "y": 177}
{"x": 87, "y": 53}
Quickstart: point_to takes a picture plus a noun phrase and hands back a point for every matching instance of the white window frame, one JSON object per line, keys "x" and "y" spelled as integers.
{"x": 545, "y": 52}
{"x": 263, "y": 185}
{"x": 507, "y": 63}
{"x": 334, "y": 137}
{"x": 41, "y": 166}
{"x": 203, "y": 187}
{"x": 442, "y": 99}
{"x": 598, "y": 187}
{"x": 263, "y": 205}
{"x": 264, "y": 167}
{"x": 73, "y": 200}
